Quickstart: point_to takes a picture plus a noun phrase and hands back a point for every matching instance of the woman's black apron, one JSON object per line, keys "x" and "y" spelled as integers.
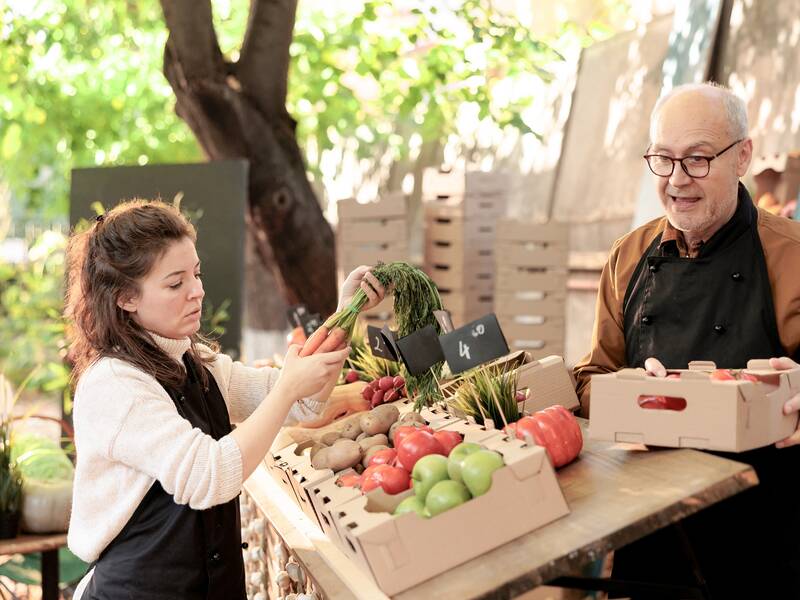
{"x": 166, "y": 550}
{"x": 717, "y": 306}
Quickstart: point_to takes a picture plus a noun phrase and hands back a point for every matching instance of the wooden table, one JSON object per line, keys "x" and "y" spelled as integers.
{"x": 616, "y": 495}
{"x": 48, "y": 545}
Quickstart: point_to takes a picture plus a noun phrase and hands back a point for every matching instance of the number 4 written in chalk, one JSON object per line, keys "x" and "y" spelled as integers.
{"x": 463, "y": 350}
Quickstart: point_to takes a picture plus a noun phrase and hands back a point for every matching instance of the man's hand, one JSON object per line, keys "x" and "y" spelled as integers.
{"x": 361, "y": 278}
{"x": 792, "y": 405}
{"x": 654, "y": 367}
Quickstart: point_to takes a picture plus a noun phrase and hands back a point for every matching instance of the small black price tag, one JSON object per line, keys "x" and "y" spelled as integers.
{"x": 473, "y": 344}
{"x": 420, "y": 350}
{"x": 294, "y": 314}
{"x": 390, "y": 342}
{"x": 378, "y": 345}
{"x": 310, "y": 323}
{"x": 444, "y": 319}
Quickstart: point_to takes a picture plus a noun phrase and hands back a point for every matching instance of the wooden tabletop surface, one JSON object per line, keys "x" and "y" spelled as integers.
{"x": 26, "y": 543}
{"x": 616, "y": 494}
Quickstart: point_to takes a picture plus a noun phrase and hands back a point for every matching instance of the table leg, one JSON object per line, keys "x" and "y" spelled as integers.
{"x": 50, "y": 575}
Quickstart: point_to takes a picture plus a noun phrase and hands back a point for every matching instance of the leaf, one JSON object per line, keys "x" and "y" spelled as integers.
{"x": 12, "y": 141}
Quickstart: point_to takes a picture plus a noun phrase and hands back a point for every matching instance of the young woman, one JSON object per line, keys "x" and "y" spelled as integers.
{"x": 159, "y": 467}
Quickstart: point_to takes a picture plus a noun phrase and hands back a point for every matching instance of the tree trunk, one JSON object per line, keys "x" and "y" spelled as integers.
{"x": 238, "y": 110}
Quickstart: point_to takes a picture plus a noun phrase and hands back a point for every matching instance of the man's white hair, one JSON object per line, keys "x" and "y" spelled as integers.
{"x": 735, "y": 109}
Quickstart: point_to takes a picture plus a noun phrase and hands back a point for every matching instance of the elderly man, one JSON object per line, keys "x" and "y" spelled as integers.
{"x": 714, "y": 279}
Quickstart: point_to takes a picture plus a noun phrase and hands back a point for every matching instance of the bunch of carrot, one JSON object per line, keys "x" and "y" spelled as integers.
{"x": 415, "y": 299}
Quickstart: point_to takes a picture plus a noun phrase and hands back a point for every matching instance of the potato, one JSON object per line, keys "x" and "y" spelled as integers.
{"x": 343, "y": 454}
{"x": 375, "y": 440}
{"x": 412, "y": 416}
{"x": 362, "y": 436}
{"x": 379, "y": 419}
{"x": 351, "y": 430}
{"x": 329, "y": 438}
{"x": 371, "y": 451}
{"x": 316, "y": 448}
{"x": 392, "y": 429}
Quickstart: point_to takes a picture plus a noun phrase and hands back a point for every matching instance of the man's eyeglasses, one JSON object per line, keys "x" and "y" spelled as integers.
{"x": 695, "y": 167}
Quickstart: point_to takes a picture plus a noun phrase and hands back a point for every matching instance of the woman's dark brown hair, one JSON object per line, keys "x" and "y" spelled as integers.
{"x": 106, "y": 263}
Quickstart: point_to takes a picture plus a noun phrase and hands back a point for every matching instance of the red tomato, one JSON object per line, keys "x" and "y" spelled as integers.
{"x": 557, "y": 430}
{"x": 662, "y": 402}
{"x": 448, "y": 440}
{"x": 674, "y": 376}
{"x": 349, "y": 480}
{"x": 416, "y": 445}
{"x": 722, "y": 375}
{"x": 402, "y": 432}
{"x": 383, "y": 457}
{"x": 748, "y": 377}
{"x": 393, "y": 480}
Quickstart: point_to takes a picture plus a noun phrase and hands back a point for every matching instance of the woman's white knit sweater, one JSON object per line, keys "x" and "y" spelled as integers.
{"x": 128, "y": 434}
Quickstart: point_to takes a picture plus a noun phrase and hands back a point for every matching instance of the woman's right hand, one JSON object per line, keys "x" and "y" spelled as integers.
{"x": 304, "y": 377}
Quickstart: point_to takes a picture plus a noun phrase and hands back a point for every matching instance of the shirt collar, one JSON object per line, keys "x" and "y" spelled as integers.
{"x": 672, "y": 235}
{"x": 175, "y": 349}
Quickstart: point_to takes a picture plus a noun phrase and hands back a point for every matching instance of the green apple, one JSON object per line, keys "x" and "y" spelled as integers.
{"x": 411, "y": 504}
{"x": 445, "y": 495}
{"x": 428, "y": 470}
{"x": 477, "y": 469}
{"x": 457, "y": 456}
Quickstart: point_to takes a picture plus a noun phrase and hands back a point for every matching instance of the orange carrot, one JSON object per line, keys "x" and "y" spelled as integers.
{"x": 313, "y": 342}
{"x": 333, "y": 341}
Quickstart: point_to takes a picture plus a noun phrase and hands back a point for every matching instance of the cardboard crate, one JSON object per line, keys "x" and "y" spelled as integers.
{"x": 546, "y": 381}
{"x": 464, "y": 302}
{"x": 296, "y": 465}
{"x": 512, "y": 278}
{"x": 458, "y": 229}
{"x": 456, "y": 277}
{"x": 530, "y": 254}
{"x": 400, "y": 552}
{"x": 354, "y": 255}
{"x": 548, "y": 329}
{"x": 327, "y": 497}
{"x": 388, "y": 207}
{"x": 372, "y": 231}
{"x": 537, "y": 348}
{"x": 462, "y": 207}
{"x": 552, "y": 233}
{"x": 470, "y": 256}
{"x": 546, "y": 304}
{"x": 731, "y": 416}
{"x": 457, "y": 182}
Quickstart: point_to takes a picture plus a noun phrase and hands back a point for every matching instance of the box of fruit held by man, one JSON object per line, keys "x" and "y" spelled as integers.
{"x": 478, "y": 498}
{"x": 702, "y": 407}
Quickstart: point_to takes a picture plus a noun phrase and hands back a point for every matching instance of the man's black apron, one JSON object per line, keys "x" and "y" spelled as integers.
{"x": 717, "y": 307}
{"x": 166, "y": 550}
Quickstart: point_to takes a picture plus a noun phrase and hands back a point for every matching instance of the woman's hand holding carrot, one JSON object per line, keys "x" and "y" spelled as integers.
{"x": 303, "y": 377}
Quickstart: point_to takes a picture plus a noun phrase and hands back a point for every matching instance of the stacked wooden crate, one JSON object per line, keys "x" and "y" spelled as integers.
{"x": 531, "y": 289}
{"x": 460, "y": 213}
{"x": 369, "y": 233}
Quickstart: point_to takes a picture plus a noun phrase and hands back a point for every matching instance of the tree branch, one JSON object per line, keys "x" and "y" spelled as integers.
{"x": 193, "y": 40}
{"x": 263, "y": 67}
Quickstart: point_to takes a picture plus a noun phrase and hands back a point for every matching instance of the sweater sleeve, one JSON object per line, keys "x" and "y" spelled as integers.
{"x": 134, "y": 422}
{"x": 244, "y": 388}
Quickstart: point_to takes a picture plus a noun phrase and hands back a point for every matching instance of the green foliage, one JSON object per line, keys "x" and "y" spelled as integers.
{"x": 10, "y": 475}
{"x": 41, "y": 458}
{"x": 379, "y": 75}
{"x": 31, "y": 301}
{"x": 81, "y": 85}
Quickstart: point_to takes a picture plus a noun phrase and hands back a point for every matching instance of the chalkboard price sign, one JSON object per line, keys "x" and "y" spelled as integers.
{"x": 473, "y": 344}
{"x": 378, "y": 344}
{"x": 420, "y": 350}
